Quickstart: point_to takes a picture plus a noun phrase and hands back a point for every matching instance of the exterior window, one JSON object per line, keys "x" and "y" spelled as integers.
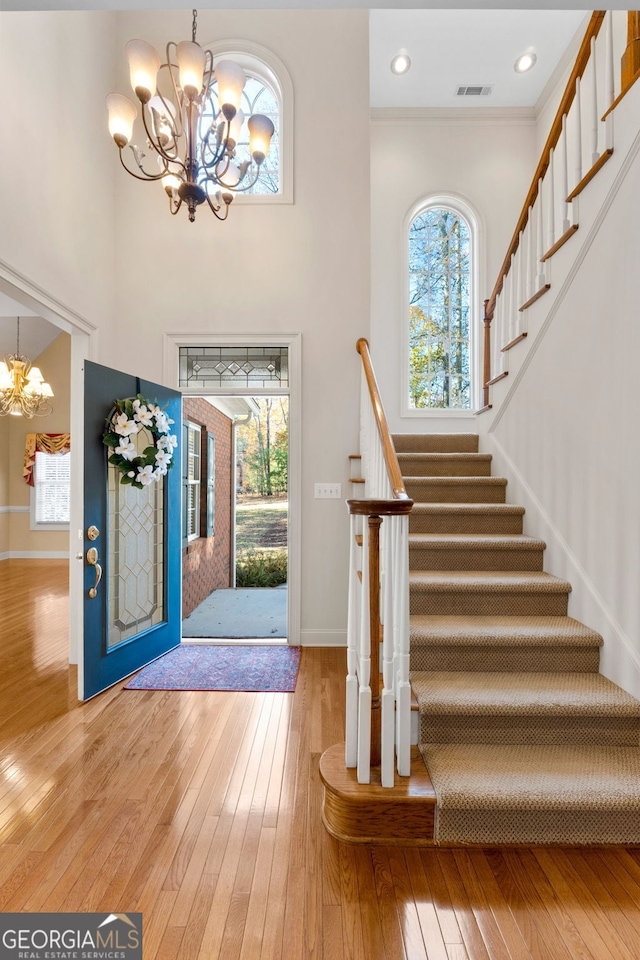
{"x": 190, "y": 481}
{"x": 439, "y": 310}
{"x": 51, "y": 492}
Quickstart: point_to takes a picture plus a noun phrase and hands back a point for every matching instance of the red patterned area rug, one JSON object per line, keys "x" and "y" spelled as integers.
{"x": 259, "y": 669}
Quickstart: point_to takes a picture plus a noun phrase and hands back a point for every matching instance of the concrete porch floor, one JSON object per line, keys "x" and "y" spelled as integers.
{"x": 240, "y": 614}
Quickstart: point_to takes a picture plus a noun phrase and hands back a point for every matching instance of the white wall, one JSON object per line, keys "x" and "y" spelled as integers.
{"x": 288, "y": 268}
{"x": 56, "y": 178}
{"x": 572, "y": 431}
{"x": 489, "y": 163}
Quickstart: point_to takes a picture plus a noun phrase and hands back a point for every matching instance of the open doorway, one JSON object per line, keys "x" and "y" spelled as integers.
{"x": 235, "y": 518}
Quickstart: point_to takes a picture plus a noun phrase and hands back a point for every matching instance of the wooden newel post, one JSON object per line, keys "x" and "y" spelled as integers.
{"x": 486, "y": 372}
{"x": 630, "y": 62}
{"x": 374, "y": 635}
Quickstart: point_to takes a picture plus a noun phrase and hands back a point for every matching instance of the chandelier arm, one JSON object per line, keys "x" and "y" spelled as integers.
{"x": 171, "y": 67}
{"x": 215, "y": 209}
{"x": 174, "y": 206}
{"x": 159, "y": 149}
{"x": 146, "y": 177}
{"x": 218, "y": 154}
{"x": 247, "y": 186}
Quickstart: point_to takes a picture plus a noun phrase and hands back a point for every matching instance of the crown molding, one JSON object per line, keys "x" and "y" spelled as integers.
{"x": 435, "y": 116}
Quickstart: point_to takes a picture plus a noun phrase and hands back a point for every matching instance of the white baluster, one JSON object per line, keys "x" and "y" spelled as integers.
{"x": 566, "y": 222}
{"x": 609, "y": 82}
{"x": 540, "y": 268}
{"x": 403, "y": 687}
{"x": 594, "y": 105}
{"x": 522, "y": 274}
{"x": 364, "y": 689}
{"x": 512, "y": 298}
{"x": 551, "y": 223}
{"x": 531, "y": 254}
{"x": 387, "y": 699}
{"x": 578, "y": 115}
{"x": 351, "y": 736}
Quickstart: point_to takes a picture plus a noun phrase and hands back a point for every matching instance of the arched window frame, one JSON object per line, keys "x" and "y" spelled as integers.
{"x": 463, "y": 209}
{"x": 266, "y": 66}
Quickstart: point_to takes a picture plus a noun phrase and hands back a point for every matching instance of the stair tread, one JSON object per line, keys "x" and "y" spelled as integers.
{"x": 437, "y": 456}
{"x": 487, "y": 581}
{"x": 469, "y": 509}
{"x": 457, "y": 481}
{"x": 444, "y": 441}
{"x": 501, "y": 630}
{"x": 519, "y": 776}
{"x": 511, "y": 694}
{"x": 486, "y": 541}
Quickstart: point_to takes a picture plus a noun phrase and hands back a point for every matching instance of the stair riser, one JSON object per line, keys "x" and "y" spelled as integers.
{"x": 444, "y": 468}
{"x": 452, "y": 493}
{"x": 448, "y": 523}
{"x": 436, "y": 443}
{"x": 526, "y": 729}
{"x": 459, "y": 558}
{"x": 488, "y": 603}
{"x": 501, "y": 659}
{"x": 544, "y": 824}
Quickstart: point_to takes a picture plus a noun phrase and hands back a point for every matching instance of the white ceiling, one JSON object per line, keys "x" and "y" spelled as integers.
{"x": 449, "y": 48}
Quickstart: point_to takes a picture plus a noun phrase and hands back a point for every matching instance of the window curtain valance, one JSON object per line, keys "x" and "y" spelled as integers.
{"x": 42, "y": 443}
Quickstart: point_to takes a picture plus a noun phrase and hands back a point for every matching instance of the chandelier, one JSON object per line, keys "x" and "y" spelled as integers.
{"x": 192, "y": 120}
{"x": 23, "y": 391}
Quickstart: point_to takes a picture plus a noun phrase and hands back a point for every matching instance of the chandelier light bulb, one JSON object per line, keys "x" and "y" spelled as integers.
{"x": 231, "y": 80}
{"x": 144, "y": 64}
{"x": 525, "y": 61}
{"x": 191, "y": 66}
{"x": 122, "y": 114}
{"x": 400, "y": 64}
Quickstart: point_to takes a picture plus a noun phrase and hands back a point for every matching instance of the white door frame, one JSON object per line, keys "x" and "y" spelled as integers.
{"x": 172, "y": 343}
{"x": 83, "y": 347}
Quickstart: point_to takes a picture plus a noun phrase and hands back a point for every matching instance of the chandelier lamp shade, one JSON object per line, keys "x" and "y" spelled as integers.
{"x": 190, "y": 111}
{"x": 23, "y": 391}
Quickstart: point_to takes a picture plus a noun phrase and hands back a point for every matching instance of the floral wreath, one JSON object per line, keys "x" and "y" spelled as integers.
{"x": 131, "y": 416}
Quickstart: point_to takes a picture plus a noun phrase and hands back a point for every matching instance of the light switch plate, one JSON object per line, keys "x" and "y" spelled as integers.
{"x": 328, "y": 491}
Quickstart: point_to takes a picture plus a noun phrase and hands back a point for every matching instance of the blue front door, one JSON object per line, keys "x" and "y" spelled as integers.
{"x": 132, "y": 529}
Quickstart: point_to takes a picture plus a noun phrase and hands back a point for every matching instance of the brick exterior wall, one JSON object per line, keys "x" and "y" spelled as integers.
{"x": 206, "y": 561}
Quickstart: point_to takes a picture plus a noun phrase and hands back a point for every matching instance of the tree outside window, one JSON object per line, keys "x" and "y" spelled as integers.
{"x": 439, "y": 311}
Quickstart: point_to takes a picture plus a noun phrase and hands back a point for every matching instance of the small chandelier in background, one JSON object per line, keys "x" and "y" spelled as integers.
{"x": 192, "y": 121}
{"x": 23, "y": 392}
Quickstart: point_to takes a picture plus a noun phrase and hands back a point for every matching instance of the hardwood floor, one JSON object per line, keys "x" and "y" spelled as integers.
{"x": 202, "y": 810}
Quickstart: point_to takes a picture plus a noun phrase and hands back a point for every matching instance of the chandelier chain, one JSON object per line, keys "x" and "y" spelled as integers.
{"x": 194, "y": 25}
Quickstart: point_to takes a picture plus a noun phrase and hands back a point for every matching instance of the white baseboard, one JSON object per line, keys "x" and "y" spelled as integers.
{"x": 323, "y": 638}
{"x": 35, "y": 555}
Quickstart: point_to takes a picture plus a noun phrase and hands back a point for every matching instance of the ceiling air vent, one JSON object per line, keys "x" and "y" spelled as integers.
{"x": 474, "y": 90}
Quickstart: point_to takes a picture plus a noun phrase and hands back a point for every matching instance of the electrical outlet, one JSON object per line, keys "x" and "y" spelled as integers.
{"x": 328, "y": 491}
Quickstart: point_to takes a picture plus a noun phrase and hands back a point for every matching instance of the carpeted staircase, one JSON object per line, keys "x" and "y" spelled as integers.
{"x": 525, "y": 741}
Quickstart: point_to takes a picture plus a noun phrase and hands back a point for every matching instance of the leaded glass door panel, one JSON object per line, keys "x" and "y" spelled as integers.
{"x": 132, "y": 540}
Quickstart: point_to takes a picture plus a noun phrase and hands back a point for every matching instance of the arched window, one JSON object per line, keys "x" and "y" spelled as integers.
{"x": 268, "y": 91}
{"x": 440, "y": 315}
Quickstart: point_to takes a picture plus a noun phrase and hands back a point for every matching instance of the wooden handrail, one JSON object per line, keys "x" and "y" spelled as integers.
{"x": 390, "y": 457}
{"x": 579, "y": 67}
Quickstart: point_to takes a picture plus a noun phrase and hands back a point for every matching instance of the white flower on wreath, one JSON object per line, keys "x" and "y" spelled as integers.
{"x": 167, "y": 442}
{"x": 126, "y": 449}
{"x": 163, "y": 459}
{"x": 142, "y": 414}
{"x": 163, "y": 422}
{"x": 124, "y": 426}
{"x": 146, "y": 475}
{"x": 159, "y": 472}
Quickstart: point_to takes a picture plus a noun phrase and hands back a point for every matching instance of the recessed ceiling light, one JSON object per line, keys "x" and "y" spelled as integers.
{"x": 400, "y": 63}
{"x": 525, "y": 62}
